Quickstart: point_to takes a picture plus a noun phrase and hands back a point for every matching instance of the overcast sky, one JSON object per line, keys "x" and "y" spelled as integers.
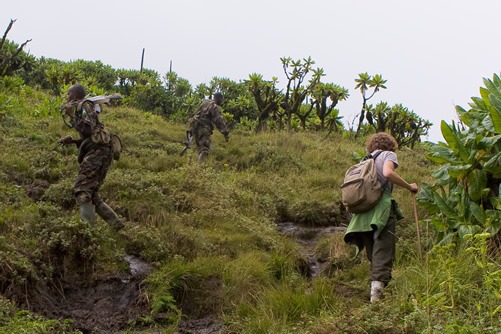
{"x": 434, "y": 53}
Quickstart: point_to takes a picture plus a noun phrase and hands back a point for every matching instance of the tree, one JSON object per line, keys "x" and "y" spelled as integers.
{"x": 296, "y": 92}
{"x": 176, "y": 85}
{"x": 12, "y": 56}
{"x": 238, "y": 99}
{"x": 303, "y": 113}
{"x": 95, "y": 73}
{"x": 321, "y": 94}
{"x": 364, "y": 83}
{"x": 152, "y": 98}
{"x": 266, "y": 96}
{"x": 59, "y": 75}
{"x": 127, "y": 80}
{"x": 179, "y": 90}
{"x": 202, "y": 91}
{"x": 149, "y": 94}
{"x": 399, "y": 121}
{"x": 55, "y": 75}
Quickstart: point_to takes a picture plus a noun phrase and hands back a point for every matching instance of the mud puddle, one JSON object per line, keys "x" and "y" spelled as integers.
{"x": 308, "y": 237}
{"x": 102, "y": 306}
{"x": 109, "y": 306}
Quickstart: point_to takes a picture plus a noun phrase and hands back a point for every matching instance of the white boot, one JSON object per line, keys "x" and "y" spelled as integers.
{"x": 376, "y": 290}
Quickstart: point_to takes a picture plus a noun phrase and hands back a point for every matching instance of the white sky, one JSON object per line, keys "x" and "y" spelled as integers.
{"x": 434, "y": 53}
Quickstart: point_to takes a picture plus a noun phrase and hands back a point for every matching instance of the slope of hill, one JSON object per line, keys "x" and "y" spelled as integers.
{"x": 201, "y": 250}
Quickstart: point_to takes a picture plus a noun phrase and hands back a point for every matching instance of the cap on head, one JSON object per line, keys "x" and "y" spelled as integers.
{"x": 76, "y": 92}
{"x": 218, "y": 98}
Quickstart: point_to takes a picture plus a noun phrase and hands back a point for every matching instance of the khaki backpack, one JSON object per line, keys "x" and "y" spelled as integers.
{"x": 361, "y": 189}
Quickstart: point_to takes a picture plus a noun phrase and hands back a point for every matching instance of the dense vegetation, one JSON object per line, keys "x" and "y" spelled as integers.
{"x": 466, "y": 194}
{"x": 305, "y": 102}
{"x": 210, "y": 232}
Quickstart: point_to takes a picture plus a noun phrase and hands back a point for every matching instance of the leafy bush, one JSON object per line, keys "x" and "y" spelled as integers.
{"x": 465, "y": 197}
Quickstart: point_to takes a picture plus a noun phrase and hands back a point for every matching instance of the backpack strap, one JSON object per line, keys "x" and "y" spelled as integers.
{"x": 370, "y": 156}
{"x": 375, "y": 155}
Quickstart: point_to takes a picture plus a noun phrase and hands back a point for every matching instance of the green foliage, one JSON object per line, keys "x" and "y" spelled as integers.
{"x": 490, "y": 273}
{"x": 209, "y": 231}
{"x": 404, "y": 125}
{"x": 167, "y": 304}
{"x": 321, "y": 95}
{"x": 208, "y": 285}
{"x": 48, "y": 107}
{"x": 151, "y": 98}
{"x": 465, "y": 197}
{"x": 266, "y": 96}
{"x": 296, "y": 72}
{"x": 12, "y": 321}
{"x": 182, "y": 104}
{"x": 286, "y": 308}
{"x": 11, "y": 84}
{"x": 460, "y": 292}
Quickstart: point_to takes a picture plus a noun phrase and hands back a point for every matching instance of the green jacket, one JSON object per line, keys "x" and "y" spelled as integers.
{"x": 373, "y": 220}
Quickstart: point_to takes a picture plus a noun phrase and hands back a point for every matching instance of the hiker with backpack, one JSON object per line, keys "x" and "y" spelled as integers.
{"x": 374, "y": 227}
{"x": 95, "y": 154}
{"x": 201, "y": 125}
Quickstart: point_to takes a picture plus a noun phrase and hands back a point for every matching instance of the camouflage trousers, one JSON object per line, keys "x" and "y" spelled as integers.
{"x": 93, "y": 169}
{"x": 202, "y": 134}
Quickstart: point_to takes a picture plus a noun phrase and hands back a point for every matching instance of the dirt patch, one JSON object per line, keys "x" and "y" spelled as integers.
{"x": 308, "y": 237}
{"x": 200, "y": 326}
{"x": 101, "y": 306}
{"x": 350, "y": 292}
{"x": 116, "y": 304}
{"x": 104, "y": 307}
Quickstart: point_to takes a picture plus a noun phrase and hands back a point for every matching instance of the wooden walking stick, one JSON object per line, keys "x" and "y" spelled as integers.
{"x": 417, "y": 224}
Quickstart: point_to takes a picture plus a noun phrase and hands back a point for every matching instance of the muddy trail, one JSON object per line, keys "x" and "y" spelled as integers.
{"x": 308, "y": 237}
{"x": 101, "y": 306}
{"x": 113, "y": 304}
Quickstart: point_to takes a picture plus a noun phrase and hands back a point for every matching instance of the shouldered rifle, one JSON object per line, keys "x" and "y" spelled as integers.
{"x": 187, "y": 143}
{"x": 96, "y": 100}
{"x": 103, "y": 99}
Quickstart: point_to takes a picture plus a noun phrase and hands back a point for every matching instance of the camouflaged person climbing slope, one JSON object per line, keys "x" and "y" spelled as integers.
{"x": 202, "y": 124}
{"x": 95, "y": 154}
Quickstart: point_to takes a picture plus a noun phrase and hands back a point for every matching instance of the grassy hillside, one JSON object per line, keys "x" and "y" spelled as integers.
{"x": 208, "y": 234}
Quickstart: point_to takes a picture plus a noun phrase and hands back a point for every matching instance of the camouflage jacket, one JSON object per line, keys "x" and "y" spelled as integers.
{"x": 86, "y": 121}
{"x": 208, "y": 114}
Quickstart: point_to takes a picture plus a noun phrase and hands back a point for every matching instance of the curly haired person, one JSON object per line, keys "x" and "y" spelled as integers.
{"x": 374, "y": 229}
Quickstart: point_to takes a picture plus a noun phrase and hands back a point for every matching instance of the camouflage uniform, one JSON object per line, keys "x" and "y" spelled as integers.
{"x": 202, "y": 126}
{"x": 95, "y": 154}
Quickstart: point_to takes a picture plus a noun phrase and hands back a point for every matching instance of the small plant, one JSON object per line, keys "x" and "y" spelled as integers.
{"x": 48, "y": 107}
{"x": 166, "y": 304}
{"x": 491, "y": 275}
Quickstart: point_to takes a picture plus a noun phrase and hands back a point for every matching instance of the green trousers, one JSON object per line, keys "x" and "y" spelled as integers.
{"x": 381, "y": 250}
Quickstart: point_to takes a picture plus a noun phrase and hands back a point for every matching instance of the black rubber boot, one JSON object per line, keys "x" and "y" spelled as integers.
{"x": 203, "y": 156}
{"x": 109, "y": 216}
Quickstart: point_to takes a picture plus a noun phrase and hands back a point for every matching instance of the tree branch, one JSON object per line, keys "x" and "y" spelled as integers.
{"x": 6, "y": 32}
